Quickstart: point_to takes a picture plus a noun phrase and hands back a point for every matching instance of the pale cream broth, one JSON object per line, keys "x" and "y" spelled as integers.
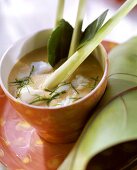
{"x": 83, "y": 81}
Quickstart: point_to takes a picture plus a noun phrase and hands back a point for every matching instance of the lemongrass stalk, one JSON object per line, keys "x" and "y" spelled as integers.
{"x": 59, "y": 13}
{"x": 66, "y": 69}
{"x": 78, "y": 27}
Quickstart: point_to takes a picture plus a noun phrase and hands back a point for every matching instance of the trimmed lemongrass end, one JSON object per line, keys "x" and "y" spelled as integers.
{"x": 59, "y": 13}
{"x": 66, "y": 69}
{"x": 78, "y": 27}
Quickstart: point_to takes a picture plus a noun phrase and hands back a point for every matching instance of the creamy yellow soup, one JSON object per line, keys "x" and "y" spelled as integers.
{"x": 29, "y": 73}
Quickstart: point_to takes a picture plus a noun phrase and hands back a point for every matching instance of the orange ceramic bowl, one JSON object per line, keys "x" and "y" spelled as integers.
{"x": 57, "y": 125}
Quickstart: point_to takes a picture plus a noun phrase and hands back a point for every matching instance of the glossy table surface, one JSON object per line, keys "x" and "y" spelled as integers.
{"x": 20, "y": 17}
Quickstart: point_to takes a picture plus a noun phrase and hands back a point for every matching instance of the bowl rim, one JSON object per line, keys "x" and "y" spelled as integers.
{"x": 7, "y": 93}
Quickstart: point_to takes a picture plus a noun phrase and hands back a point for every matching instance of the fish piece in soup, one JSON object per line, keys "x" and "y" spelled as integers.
{"x": 30, "y": 72}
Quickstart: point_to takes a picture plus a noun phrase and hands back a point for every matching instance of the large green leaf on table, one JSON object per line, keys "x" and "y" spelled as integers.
{"x": 59, "y": 42}
{"x": 123, "y": 59}
{"x": 116, "y": 119}
{"x": 123, "y": 70}
{"x": 116, "y": 123}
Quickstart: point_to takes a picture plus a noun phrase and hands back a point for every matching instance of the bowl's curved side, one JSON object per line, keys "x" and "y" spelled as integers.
{"x": 58, "y": 125}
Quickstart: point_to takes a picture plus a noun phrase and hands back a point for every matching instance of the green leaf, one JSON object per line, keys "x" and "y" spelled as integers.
{"x": 59, "y": 42}
{"x": 91, "y": 30}
{"x": 115, "y": 124}
{"x": 115, "y": 119}
{"x": 123, "y": 69}
{"x": 70, "y": 65}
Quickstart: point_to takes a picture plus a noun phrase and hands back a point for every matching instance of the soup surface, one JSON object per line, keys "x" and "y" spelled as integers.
{"x": 30, "y": 72}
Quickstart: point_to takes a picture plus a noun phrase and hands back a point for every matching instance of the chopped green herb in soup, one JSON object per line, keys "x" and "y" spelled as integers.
{"x": 29, "y": 73}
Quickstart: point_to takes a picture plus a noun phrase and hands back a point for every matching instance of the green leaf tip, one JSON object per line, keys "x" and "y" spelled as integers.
{"x": 92, "y": 29}
{"x": 59, "y": 42}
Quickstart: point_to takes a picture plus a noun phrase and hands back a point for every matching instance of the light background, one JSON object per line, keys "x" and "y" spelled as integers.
{"x": 22, "y": 17}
